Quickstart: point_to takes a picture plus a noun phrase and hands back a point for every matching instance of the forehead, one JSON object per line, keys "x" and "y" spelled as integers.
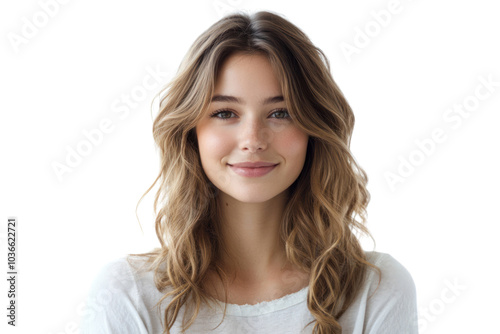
{"x": 247, "y": 75}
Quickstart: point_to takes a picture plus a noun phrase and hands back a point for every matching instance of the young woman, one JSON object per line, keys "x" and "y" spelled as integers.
{"x": 259, "y": 197}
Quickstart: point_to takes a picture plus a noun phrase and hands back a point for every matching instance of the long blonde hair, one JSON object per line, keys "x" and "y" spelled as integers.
{"x": 318, "y": 225}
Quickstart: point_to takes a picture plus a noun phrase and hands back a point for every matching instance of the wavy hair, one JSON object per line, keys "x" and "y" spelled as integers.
{"x": 318, "y": 225}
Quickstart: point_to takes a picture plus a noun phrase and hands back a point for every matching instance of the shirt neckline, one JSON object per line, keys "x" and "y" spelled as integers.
{"x": 274, "y": 305}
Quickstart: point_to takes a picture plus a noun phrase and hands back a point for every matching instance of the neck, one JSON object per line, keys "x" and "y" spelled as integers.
{"x": 250, "y": 235}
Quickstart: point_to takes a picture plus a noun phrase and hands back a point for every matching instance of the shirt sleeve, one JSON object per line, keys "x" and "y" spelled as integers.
{"x": 113, "y": 303}
{"x": 393, "y": 307}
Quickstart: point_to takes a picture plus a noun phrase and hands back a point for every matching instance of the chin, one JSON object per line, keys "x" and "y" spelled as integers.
{"x": 254, "y": 197}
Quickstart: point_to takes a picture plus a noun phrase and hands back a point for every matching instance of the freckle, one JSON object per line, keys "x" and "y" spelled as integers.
{"x": 227, "y": 204}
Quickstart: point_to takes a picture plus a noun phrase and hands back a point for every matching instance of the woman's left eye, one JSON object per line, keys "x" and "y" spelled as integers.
{"x": 282, "y": 111}
{"x": 219, "y": 112}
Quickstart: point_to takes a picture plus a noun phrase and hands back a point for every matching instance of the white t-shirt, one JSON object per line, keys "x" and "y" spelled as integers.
{"x": 123, "y": 301}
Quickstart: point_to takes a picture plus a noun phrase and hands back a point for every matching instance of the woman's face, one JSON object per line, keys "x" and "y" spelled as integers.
{"x": 254, "y": 126}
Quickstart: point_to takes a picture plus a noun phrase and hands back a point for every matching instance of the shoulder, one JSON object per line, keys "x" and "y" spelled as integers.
{"x": 115, "y": 274}
{"x": 394, "y": 276}
{"x": 114, "y": 280}
{"x": 115, "y": 301}
{"x": 386, "y": 303}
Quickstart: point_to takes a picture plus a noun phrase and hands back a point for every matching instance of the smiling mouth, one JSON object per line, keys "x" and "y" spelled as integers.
{"x": 252, "y": 171}
{"x": 256, "y": 164}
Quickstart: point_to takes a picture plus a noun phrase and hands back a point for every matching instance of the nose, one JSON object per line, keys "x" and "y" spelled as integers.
{"x": 254, "y": 135}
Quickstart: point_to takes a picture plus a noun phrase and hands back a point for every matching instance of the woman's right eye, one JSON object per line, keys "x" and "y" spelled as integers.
{"x": 222, "y": 112}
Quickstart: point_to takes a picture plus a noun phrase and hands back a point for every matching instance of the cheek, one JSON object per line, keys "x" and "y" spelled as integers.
{"x": 213, "y": 145}
{"x": 293, "y": 143}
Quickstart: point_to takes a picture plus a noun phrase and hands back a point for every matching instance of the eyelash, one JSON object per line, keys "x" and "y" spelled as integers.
{"x": 219, "y": 111}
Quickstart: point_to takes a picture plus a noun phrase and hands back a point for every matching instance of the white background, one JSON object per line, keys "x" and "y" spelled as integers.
{"x": 72, "y": 72}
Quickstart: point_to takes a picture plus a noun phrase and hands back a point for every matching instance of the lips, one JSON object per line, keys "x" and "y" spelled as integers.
{"x": 255, "y": 169}
{"x": 256, "y": 164}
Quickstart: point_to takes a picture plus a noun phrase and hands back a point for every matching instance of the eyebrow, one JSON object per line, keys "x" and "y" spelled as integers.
{"x": 229, "y": 98}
